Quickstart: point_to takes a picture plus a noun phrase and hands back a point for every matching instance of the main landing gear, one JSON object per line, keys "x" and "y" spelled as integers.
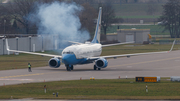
{"x": 96, "y": 68}
{"x": 69, "y": 67}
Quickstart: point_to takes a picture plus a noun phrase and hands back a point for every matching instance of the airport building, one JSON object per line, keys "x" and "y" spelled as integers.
{"x": 126, "y": 35}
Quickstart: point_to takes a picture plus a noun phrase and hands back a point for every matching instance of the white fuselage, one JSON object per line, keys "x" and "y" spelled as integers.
{"x": 84, "y": 50}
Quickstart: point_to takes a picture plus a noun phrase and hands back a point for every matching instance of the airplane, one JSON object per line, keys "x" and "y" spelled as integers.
{"x": 85, "y": 53}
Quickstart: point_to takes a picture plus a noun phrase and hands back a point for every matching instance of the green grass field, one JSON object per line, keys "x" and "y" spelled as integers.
{"x": 154, "y": 29}
{"x": 21, "y": 61}
{"x": 132, "y": 10}
{"x": 137, "y": 48}
{"x": 94, "y": 89}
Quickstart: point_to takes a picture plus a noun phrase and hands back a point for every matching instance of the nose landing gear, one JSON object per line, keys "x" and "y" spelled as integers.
{"x": 69, "y": 67}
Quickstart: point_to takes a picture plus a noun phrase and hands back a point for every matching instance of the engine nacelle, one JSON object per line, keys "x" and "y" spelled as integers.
{"x": 54, "y": 62}
{"x": 101, "y": 63}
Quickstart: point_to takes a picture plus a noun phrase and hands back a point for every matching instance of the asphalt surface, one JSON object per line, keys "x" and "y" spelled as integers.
{"x": 163, "y": 65}
{"x": 84, "y": 100}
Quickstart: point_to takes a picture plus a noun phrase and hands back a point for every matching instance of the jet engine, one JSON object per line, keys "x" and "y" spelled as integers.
{"x": 101, "y": 63}
{"x": 54, "y": 62}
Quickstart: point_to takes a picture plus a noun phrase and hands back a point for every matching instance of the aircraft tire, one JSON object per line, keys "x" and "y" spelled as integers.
{"x": 68, "y": 68}
{"x": 71, "y": 67}
{"x": 99, "y": 68}
{"x": 95, "y": 67}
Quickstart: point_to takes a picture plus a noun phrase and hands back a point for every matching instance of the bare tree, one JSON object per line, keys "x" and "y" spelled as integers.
{"x": 171, "y": 17}
{"x": 19, "y": 10}
{"x": 87, "y": 17}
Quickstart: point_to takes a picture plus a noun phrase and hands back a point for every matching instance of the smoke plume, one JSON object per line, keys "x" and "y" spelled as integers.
{"x": 61, "y": 20}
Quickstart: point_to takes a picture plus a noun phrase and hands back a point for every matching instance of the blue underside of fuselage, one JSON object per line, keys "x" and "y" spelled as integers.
{"x": 70, "y": 59}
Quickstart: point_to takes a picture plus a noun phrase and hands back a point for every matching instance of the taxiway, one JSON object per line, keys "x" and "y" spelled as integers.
{"x": 163, "y": 65}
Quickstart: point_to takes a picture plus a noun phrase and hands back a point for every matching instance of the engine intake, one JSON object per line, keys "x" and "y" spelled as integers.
{"x": 54, "y": 62}
{"x": 101, "y": 63}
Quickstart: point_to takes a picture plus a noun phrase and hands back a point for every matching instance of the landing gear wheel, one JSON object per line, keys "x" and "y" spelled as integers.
{"x": 71, "y": 67}
{"x": 99, "y": 68}
{"x": 95, "y": 67}
{"x": 68, "y": 68}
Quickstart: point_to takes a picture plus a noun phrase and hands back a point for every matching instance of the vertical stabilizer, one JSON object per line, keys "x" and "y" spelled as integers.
{"x": 96, "y": 38}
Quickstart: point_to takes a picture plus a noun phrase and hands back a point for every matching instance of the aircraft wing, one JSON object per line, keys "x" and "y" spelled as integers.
{"x": 128, "y": 55}
{"x": 117, "y": 44}
{"x": 50, "y": 55}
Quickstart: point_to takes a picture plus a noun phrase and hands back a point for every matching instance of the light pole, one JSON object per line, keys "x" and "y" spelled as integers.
{"x": 4, "y": 27}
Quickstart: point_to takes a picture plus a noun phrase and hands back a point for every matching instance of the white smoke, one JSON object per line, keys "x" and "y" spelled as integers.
{"x": 60, "y": 18}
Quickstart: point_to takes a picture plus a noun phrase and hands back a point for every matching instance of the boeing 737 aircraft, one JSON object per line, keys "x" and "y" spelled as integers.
{"x": 84, "y": 53}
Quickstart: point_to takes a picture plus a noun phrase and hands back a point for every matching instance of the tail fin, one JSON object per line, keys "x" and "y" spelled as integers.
{"x": 96, "y": 38}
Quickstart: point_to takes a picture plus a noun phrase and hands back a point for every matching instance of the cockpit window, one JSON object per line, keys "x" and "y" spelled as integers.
{"x": 68, "y": 53}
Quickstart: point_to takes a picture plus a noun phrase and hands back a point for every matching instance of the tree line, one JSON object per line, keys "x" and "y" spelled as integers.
{"x": 170, "y": 18}
{"x": 14, "y": 20}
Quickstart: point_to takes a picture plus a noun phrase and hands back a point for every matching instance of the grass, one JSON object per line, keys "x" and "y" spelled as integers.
{"x": 154, "y": 29}
{"x": 21, "y": 61}
{"x": 139, "y": 16}
{"x": 136, "y": 9}
{"x": 94, "y": 89}
{"x": 138, "y": 48}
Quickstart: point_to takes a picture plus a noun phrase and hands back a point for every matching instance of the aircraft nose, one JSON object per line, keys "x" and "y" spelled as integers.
{"x": 67, "y": 58}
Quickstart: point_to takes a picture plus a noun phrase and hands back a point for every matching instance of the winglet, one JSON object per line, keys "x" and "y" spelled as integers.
{"x": 7, "y": 46}
{"x": 172, "y": 45}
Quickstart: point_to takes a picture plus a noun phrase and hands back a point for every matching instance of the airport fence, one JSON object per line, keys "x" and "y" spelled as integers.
{"x": 30, "y": 44}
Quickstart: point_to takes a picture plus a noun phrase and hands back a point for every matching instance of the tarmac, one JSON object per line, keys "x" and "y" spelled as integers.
{"x": 163, "y": 65}
{"x": 84, "y": 100}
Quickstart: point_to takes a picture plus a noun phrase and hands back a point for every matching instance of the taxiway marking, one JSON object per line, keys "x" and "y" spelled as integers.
{"x": 17, "y": 79}
{"x": 27, "y": 75}
{"x": 22, "y": 75}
